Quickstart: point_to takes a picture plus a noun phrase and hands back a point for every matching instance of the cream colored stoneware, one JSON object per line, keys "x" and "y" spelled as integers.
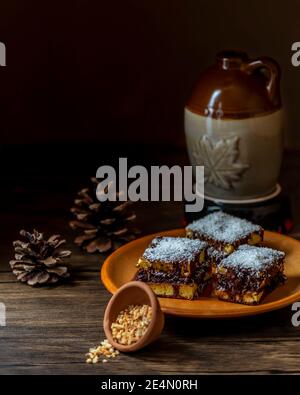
{"x": 233, "y": 126}
{"x": 119, "y": 268}
{"x": 242, "y": 157}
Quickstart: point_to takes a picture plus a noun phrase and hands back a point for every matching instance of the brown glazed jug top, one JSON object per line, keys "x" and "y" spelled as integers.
{"x": 237, "y": 87}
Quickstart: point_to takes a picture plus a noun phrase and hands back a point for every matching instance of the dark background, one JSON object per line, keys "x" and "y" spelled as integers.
{"x": 121, "y": 71}
{"x": 87, "y": 82}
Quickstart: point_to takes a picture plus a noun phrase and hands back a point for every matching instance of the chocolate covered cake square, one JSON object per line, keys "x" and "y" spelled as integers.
{"x": 175, "y": 267}
{"x": 225, "y": 232}
{"x": 177, "y": 255}
{"x": 248, "y": 274}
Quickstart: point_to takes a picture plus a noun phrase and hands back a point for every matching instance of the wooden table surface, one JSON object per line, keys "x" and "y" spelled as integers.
{"x": 50, "y": 329}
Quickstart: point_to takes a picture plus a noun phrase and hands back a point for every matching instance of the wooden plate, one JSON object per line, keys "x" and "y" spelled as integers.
{"x": 119, "y": 268}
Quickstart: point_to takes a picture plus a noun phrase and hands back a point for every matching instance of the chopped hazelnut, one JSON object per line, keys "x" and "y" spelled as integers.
{"x": 131, "y": 324}
{"x": 105, "y": 349}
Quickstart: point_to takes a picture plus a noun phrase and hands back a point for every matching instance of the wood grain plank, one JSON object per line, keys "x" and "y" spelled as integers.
{"x": 50, "y": 329}
{"x": 52, "y": 332}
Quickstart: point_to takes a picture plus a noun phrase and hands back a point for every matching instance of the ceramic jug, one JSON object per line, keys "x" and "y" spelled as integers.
{"x": 233, "y": 126}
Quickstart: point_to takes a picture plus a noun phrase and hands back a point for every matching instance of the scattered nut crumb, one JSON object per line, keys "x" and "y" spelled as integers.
{"x": 131, "y": 324}
{"x": 105, "y": 349}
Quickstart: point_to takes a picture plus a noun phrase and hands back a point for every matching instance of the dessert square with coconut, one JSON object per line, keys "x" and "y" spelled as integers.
{"x": 178, "y": 255}
{"x": 248, "y": 274}
{"x": 175, "y": 267}
{"x": 225, "y": 232}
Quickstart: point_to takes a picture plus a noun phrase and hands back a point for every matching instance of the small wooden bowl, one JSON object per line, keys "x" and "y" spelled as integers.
{"x": 134, "y": 293}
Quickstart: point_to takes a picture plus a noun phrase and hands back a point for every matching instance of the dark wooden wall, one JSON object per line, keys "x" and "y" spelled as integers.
{"x": 92, "y": 70}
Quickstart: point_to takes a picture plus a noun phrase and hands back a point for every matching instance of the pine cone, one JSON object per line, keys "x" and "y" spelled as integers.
{"x": 105, "y": 225}
{"x": 37, "y": 261}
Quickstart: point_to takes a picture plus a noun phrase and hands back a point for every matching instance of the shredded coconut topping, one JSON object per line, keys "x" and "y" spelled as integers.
{"x": 253, "y": 258}
{"x": 173, "y": 249}
{"x": 216, "y": 255}
{"x": 223, "y": 227}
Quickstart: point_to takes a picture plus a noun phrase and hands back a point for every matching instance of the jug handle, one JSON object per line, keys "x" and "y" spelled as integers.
{"x": 273, "y": 73}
